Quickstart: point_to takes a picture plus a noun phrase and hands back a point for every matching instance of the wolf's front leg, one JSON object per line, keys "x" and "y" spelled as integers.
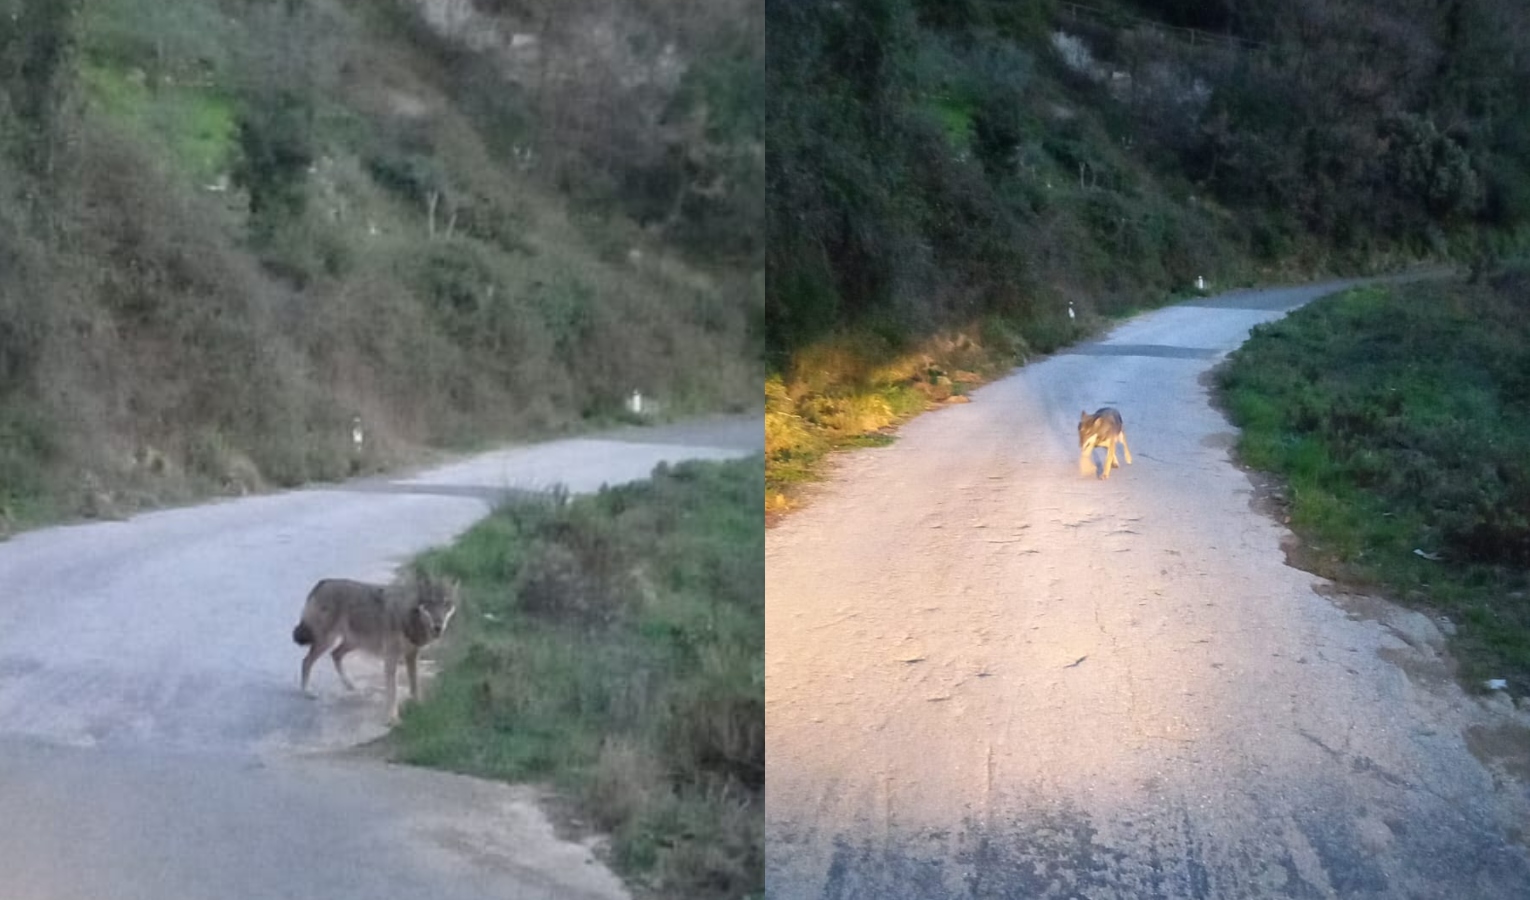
{"x": 411, "y": 659}
{"x": 1126, "y": 448}
{"x": 390, "y": 675}
{"x": 314, "y": 651}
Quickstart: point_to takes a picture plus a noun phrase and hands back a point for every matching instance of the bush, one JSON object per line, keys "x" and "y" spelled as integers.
{"x": 1434, "y": 171}
{"x": 29, "y": 445}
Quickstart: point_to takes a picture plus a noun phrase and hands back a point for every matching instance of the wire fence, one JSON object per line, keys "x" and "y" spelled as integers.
{"x": 1191, "y": 36}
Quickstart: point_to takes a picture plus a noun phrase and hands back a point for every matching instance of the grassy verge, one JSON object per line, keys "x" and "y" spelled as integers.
{"x": 1398, "y": 418}
{"x": 852, "y": 389}
{"x": 613, "y": 646}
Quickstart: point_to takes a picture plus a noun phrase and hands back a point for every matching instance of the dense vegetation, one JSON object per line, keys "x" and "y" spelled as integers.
{"x": 1399, "y": 418}
{"x": 614, "y": 646}
{"x": 963, "y": 170}
{"x": 229, "y": 226}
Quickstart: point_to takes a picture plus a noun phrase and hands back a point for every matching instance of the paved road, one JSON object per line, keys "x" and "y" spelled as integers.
{"x": 153, "y": 742}
{"x": 988, "y": 675}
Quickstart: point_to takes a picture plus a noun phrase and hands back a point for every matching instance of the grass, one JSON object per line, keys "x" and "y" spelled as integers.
{"x": 1398, "y": 418}
{"x": 613, "y": 646}
{"x": 955, "y": 118}
{"x": 195, "y": 124}
{"x": 852, "y": 389}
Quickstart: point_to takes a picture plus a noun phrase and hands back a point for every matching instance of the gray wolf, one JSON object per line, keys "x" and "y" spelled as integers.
{"x": 1103, "y": 429}
{"x": 392, "y": 622}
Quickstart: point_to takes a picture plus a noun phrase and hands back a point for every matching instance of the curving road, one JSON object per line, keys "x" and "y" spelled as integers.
{"x": 990, "y": 676}
{"x": 153, "y": 742}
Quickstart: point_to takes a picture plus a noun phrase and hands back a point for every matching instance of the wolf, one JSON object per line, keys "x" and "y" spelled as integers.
{"x": 1103, "y": 429}
{"x": 391, "y": 622}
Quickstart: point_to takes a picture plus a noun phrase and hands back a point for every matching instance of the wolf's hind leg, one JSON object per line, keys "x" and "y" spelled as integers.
{"x": 315, "y": 650}
{"x": 337, "y": 655}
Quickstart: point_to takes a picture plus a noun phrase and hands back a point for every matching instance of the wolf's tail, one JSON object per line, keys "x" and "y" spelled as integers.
{"x": 302, "y": 635}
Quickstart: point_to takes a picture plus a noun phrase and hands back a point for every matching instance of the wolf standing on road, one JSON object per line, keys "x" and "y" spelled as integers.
{"x": 391, "y": 622}
{"x": 1103, "y": 429}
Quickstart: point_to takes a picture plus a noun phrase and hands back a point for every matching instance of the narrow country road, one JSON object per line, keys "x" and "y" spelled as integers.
{"x": 988, "y": 675}
{"x": 153, "y": 742}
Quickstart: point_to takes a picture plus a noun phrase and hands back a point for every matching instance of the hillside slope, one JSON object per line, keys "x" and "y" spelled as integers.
{"x": 228, "y": 229}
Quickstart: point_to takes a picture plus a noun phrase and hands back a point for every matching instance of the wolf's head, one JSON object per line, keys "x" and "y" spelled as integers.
{"x": 1099, "y": 427}
{"x": 435, "y": 605}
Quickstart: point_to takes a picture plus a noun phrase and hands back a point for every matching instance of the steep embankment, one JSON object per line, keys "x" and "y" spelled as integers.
{"x": 229, "y": 229}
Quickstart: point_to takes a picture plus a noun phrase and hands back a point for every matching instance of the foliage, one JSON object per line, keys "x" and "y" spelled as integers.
{"x": 1398, "y": 418}
{"x": 934, "y": 162}
{"x": 1430, "y": 167}
{"x": 275, "y": 137}
{"x": 275, "y": 141}
{"x": 226, "y": 229}
{"x": 614, "y": 645}
{"x": 38, "y": 41}
{"x": 170, "y": 42}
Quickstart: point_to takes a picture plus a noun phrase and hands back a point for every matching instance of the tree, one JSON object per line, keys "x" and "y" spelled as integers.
{"x": 275, "y": 150}
{"x": 276, "y": 142}
{"x": 37, "y": 44}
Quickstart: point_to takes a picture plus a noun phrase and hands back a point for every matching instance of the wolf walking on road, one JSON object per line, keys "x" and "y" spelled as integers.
{"x": 391, "y": 622}
{"x": 1103, "y": 429}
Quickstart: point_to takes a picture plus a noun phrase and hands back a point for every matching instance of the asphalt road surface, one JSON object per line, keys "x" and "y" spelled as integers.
{"x": 153, "y": 741}
{"x": 990, "y": 675}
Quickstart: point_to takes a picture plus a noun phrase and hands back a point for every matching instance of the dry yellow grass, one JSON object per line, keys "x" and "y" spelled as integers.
{"x": 853, "y": 388}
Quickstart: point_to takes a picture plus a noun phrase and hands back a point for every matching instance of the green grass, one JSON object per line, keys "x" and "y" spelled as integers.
{"x": 614, "y": 647}
{"x": 1398, "y": 417}
{"x": 195, "y": 124}
{"x": 955, "y": 118}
